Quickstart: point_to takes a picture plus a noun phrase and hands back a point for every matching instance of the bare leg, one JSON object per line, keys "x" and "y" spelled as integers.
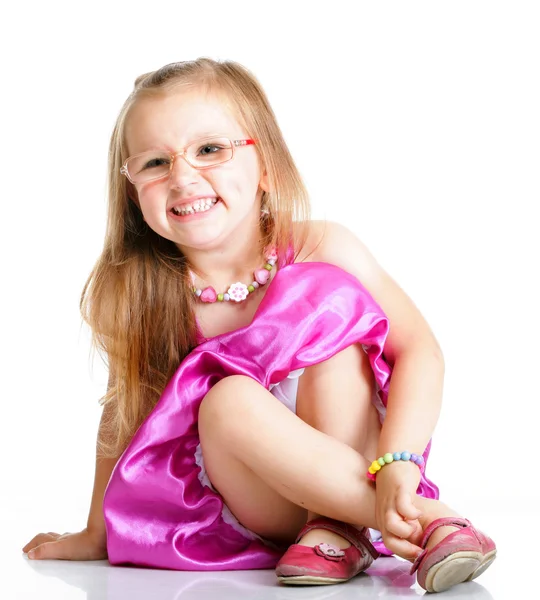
{"x": 335, "y": 397}
{"x": 249, "y": 438}
{"x": 271, "y": 467}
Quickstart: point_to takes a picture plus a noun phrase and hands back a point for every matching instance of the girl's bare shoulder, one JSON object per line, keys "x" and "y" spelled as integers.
{"x": 335, "y": 244}
{"x": 314, "y": 236}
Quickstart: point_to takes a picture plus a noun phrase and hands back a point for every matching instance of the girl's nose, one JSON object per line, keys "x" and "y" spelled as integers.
{"x": 182, "y": 172}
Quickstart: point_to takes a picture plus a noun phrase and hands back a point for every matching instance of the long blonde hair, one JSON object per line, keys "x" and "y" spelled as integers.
{"x": 138, "y": 300}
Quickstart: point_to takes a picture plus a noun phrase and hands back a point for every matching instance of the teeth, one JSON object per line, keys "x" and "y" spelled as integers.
{"x": 201, "y": 205}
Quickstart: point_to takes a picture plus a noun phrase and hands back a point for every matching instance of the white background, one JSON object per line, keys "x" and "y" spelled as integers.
{"x": 414, "y": 123}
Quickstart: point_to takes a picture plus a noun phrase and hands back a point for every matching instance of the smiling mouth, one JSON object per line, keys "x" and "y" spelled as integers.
{"x": 199, "y": 206}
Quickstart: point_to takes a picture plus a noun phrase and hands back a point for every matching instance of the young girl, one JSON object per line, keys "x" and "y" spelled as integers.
{"x": 272, "y": 391}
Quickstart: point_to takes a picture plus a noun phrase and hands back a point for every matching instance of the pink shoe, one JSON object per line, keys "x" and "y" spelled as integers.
{"x": 325, "y": 563}
{"x": 460, "y": 556}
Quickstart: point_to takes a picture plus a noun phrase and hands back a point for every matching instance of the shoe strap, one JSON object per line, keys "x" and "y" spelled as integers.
{"x": 443, "y": 522}
{"x": 358, "y": 537}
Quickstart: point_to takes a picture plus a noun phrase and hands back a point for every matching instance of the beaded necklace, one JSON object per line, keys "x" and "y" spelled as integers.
{"x": 238, "y": 291}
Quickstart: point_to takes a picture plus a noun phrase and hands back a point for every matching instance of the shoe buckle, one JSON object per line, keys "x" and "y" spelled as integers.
{"x": 329, "y": 551}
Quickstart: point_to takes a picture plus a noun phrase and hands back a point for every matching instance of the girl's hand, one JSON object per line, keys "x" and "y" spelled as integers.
{"x": 69, "y": 546}
{"x": 396, "y": 513}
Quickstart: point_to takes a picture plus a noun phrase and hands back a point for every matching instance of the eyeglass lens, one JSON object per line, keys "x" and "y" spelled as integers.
{"x": 202, "y": 153}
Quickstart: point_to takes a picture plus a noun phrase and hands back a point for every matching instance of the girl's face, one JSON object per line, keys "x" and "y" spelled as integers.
{"x": 171, "y": 123}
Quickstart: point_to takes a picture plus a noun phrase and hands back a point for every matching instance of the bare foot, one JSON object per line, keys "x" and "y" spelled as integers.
{"x": 432, "y": 510}
{"x": 318, "y": 536}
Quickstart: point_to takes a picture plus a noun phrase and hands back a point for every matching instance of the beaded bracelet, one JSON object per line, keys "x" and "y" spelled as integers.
{"x": 378, "y": 464}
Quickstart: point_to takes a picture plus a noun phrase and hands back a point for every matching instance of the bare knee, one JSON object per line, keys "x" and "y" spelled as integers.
{"x": 225, "y": 402}
{"x": 347, "y": 375}
{"x": 223, "y": 415}
{"x": 352, "y": 363}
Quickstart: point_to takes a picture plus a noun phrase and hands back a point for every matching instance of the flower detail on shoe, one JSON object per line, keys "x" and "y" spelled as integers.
{"x": 324, "y": 563}
{"x": 329, "y": 551}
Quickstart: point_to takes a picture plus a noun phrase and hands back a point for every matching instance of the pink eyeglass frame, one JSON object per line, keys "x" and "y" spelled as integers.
{"x": 173, "y": 155}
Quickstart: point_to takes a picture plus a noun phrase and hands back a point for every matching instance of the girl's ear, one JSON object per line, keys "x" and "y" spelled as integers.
{"x": 263, "y": 183}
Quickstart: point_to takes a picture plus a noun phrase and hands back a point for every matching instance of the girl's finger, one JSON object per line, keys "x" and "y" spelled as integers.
{"x": 397, "y": 526}
{"x": 49, "y": 550}
{"x": 418, "y": 532}
{"x": 401, "y": 547}
{"x": 38, "y": 539}
{"x": 405, "y": 505}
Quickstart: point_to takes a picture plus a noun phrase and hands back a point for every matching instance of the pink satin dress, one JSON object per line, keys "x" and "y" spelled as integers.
{"x": 160, "y": 509}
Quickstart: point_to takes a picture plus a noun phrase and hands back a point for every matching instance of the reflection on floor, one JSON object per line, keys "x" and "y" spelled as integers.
{"x": 388, "y": 577}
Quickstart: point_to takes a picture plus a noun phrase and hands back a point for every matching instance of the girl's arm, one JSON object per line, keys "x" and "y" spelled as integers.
{"x": 416, "y": 385}
{"x": 91, "y": 542}
{"x": 104, "y": 468}
{"x": 414, "y": 400}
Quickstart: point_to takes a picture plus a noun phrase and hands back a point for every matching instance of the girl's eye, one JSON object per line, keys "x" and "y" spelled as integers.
{"x": 155, "y": 162}
{"x": 209, "y": 149}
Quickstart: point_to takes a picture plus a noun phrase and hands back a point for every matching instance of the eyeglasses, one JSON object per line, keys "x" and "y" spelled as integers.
{"x": 201, "y": 154}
